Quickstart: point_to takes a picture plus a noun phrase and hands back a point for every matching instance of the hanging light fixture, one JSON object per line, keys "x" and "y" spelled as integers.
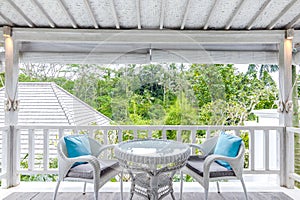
{"x": 7, "y": 32}
{"x": 289, "y": 34}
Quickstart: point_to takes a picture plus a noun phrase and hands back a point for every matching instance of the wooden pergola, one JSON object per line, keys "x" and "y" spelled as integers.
{"x": 142, "y": 31}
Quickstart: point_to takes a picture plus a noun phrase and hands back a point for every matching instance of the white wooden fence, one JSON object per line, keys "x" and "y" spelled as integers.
{"x": 37, "y": 144}
{"x": 291, "y": 132}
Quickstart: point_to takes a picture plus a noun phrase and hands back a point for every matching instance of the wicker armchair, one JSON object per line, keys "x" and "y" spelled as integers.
{"x": 94, "y": 170}
{"x": 204, "y": 168}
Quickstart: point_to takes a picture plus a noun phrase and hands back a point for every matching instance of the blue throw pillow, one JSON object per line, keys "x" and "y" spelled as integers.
{"x": 77, "y": 145}
{"x": 227, "y": 145}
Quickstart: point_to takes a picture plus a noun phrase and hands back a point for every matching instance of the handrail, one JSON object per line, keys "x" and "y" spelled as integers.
{"x": 4, "y": 128}
{"x": 293, "y": 130}
{"x": 141, "y": 127}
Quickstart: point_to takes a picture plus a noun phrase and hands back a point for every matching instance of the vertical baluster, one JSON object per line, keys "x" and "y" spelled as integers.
{"x": 135, "y": 135}
{"x": 178, "y": 133}
{"x": 251, "y": 150}
{"x": 31, "y": 147}
{"x": 150, "y": 132}
{"x": 237, "y": 132}
{"x": 105, "y": 137}
{"x": 91, "y": 132}
{"x": 207, "y": 134}
{"x": 193, "y": 139}
{"x": 120, "y": 133}
{"x": 75, "y": 130}
{"x": 46, "y": 149}
{"x": 60, "y": 133}
{"x": 193, "y": 136}
{"x": 266, "y": 153}
{"x": 164, "y": 134}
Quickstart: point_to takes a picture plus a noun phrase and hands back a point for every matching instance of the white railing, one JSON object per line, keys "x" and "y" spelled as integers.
{"x": 292, "y": 131}
{"x": 38, "y": 143}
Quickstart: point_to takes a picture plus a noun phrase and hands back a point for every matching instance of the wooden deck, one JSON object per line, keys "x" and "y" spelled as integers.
{"x": 262, "y": 189}
{"x": 116, "y": 196}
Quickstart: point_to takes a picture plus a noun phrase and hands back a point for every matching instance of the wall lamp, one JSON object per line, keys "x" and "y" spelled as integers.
{"x": 7, "y": 33}
{"x": 289, "y": 34}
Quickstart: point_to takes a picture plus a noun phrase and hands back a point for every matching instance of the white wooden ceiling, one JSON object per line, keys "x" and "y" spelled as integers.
{"x": 141, "y": 31}
{"x": 152, "y": 14}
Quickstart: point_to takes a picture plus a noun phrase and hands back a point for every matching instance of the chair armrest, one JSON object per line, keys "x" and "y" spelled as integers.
{"x": 211, "y": 158}
{"x": 105, "y": 147}
{"x": 66, "y": 163}
{"x": 199, "y": 147}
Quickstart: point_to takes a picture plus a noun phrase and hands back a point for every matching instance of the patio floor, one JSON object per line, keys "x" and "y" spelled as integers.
{"x": 265, "y": 189}
{"x": 116, "y": 196}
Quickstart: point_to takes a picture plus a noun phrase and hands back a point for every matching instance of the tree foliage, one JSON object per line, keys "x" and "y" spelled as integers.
{"x": 166, "y": 93}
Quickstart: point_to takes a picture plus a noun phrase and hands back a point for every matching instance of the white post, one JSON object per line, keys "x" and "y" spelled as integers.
{"x": 285, "y": 115}
{"x": 11, "y": 112}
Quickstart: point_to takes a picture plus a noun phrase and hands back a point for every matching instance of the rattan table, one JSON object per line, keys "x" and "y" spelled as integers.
{"x": 152, "y": 164}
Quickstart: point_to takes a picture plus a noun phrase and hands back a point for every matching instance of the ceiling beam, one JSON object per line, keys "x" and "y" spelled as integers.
{"x": 211, "y": 12}
{"x": 236, "y": 11}
{"x": 286, "y": 8}
{"x": 91, "y": 13}
{"x": 8, "y": 21}
{"x": 138, "y": 13}
{"x": 84, "y": 58}
{"x": 215, "y": 57}
{"x": 186, "y": 12}
{"x": 293, "y": 22}
{"x": 262, "y": 8}
{"x": 114, "y": 13}
{"x": 25, "y": 18}
{"x": 43, "y": 11}
{"x": 67, "y": 13}
{"x": 147, "y": 36}
{"x": 162, "y": 14}
{"x": 184, "y": 56}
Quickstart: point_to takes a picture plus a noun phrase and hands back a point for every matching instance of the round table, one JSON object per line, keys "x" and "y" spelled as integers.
{"x": 148, "y": 162}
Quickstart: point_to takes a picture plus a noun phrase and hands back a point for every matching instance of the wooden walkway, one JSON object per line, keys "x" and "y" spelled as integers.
{"x": 116, "y": 196}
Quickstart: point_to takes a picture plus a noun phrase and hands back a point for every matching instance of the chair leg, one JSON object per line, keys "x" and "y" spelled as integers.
{"x": 218, "y": 186}
{"x": 181, "y": 185}
{"x": 132, "y": 190}
{"x": 172, "y": 195}
{"x": 56, "y": 189}
{"x": 84, "y": 188}
{"x": 244, "y": 188}
{"x": 206, "y": 194}
{"x": 121, "y": 185}
{"x": 96, "y": 195}
{"x": 96, "y": 191}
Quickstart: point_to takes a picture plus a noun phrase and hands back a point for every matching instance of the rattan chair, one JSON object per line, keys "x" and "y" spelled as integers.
{"x": 204, "y": 169}
{"x": 96, "y": 171}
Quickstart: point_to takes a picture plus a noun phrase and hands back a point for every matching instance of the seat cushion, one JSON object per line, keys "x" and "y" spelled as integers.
{"x": 85, "y": 171}
{"x": 195, "y": 163}
{"x": 227, "y": 145}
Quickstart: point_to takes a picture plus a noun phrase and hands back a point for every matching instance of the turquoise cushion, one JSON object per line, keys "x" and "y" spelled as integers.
{"x": 77, "y": 145}
{"x": 227, "y": 145}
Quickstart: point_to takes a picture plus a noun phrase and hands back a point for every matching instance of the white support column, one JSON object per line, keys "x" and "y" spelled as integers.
{"x": 285, "y": 115}
{"x": 11, "y": 109}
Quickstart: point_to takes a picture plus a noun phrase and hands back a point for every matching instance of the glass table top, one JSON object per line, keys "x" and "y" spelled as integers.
{"x": 153, "y": 147}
